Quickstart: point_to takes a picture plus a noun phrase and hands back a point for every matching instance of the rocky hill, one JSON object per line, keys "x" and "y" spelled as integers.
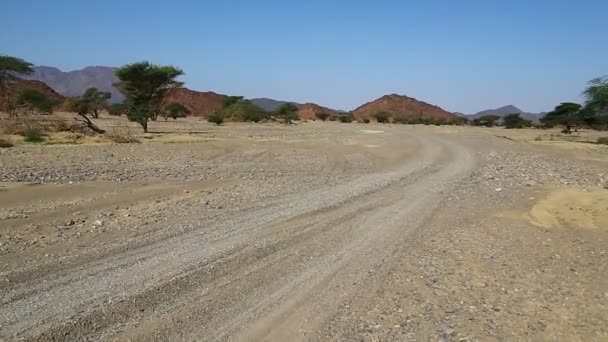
{"x": 402, "y": 106}
{"x": 308, "y": 111}
{"x": 39, "y": 86}
{"x": 199, "y": 103}
{"x": 74, "y": 83}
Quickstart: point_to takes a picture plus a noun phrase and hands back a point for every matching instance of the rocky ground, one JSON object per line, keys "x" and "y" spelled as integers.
{"x": 322, "y": 231}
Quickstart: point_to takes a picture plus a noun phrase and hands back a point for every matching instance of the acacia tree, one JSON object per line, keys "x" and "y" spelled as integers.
{"x": 145, "y": 86}
{"x": 516, "y": 121}
{"x": 95, "y": 100}
{"x": 596, "y": 94}
{"x": 287, "y": 112}
{"x": 11, "y": 70}
{"x": 567, "y": 114}
{"x": 82, "y": 107}
{"x": 595, "y": 112}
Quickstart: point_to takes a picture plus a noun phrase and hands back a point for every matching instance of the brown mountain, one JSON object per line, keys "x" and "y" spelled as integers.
{"x": 403, "y": 106}
{"x": 39, "y": 86}
{"x": 199, "y": 103}
{"x": 308, "y": 111}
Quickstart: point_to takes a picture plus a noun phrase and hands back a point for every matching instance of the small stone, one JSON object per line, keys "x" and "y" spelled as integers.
{"x": 98, "y": 223}
{"x": 498, "y": 189}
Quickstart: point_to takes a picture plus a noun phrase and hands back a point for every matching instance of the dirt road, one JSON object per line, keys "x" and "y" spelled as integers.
{"x": 364, "y": 250}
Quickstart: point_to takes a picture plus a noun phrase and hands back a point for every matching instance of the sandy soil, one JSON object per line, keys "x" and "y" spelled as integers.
{"x": 320, "y": 231}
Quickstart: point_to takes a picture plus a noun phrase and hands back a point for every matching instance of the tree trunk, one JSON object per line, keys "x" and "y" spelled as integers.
{"x": 144, "y": 125}
{"x": 90, "y": 124}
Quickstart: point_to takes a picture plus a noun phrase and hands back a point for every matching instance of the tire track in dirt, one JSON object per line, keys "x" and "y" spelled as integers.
{"x": 202, "y": 267}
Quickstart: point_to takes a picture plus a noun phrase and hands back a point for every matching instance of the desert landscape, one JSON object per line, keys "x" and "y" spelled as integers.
{"x": 321, "y": 230}
{"x": 304, "y": 171}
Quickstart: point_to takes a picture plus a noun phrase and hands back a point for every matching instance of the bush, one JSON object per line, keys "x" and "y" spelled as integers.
{"x": 345, "y": 118}
{"x": 216, "y": 118}
{"x": 365, "y": 120}
{"x": 33, "y": 135}
{"x": 4, "y": 143}
{"x": 322, "y": 116}
{"x": 333, "y": 117}
{"x": 122, "y": 134}
{"x": 602, "y": 141}
{"x": 382, "y": 117}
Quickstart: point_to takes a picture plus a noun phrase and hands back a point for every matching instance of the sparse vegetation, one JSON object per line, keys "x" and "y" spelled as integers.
{"x": 383, "y": 117}
{"x": 145, "y": 86}
{"x": 122, "y": 134}
{"x": 365, "y": 120}
{"x": 602, "y": 141}
{"x": 33, "y": 135}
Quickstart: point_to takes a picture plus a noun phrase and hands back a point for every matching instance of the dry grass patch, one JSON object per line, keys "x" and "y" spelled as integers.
{"x": 122, "y": 134}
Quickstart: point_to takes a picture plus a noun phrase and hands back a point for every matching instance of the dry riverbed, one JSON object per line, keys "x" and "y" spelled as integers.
{"x": 320, "y": 231}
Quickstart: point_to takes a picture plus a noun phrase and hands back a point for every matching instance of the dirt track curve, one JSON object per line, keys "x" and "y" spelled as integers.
{"x": 281, "y": 269}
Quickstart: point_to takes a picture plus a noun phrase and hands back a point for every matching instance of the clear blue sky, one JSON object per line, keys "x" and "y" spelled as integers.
{"x": 461, "y": 55}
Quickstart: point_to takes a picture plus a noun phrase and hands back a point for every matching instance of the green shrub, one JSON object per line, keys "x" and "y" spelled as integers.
{"x": 216, "y": 118}
{"x": 365, "y": 120}
{"x": 383, "y": 117}
{"x": 602, "y": 141}
{"x": 345, "y": 118}
{"x": 33, "y": 135}
{"x": 322, "y": 116}
{"x": 4, "y": 143}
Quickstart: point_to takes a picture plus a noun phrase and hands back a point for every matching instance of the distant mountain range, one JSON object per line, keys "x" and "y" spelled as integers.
{"x": 74, "y": 83}
{"x": 506, "y": 110}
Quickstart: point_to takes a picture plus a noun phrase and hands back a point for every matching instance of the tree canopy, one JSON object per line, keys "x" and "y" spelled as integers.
{"x": 596, "y": 95}
{"x": 566, "y": 114}
{"x": 516, "y": 121}
{"x": 12, "y": 69}
{"x": 145, "y": 86}
{"x": 91, "y": 102}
